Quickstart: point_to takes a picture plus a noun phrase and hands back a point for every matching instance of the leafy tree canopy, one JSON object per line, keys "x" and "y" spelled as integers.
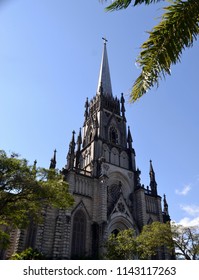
{"x": 153, "y": 237}
{"x": 28, "y": 254}
{"x": 177, "y": 30}
{"x": 183, "y": 242}
{"x": 121, "y": 246}
{"x": 25, "y": 190}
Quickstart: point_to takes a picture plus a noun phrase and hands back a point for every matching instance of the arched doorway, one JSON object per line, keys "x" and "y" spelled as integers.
{"x": 118, "y": 224}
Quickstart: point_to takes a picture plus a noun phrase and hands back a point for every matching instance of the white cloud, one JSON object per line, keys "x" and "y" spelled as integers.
{"x": 192, "y": 210}
{"x": 184, "y": 191}
{"x": 187, "y": 222}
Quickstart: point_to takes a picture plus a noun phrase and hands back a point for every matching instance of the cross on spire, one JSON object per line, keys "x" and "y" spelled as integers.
{"x": 104, "y": 39}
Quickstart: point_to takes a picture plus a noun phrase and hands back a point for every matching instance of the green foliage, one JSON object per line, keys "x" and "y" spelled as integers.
{"x": 119, "y": 4}
{"x": 184, "y": 241}
{"x": 153, "y": 237}
{"x": 4, "y": 239}
{"x": 123, "y": 4}
{"x": 28, "y": 254}
{"x": 177, "y": 30}
{"x": 121, "y": 246}
{"x": 26, "y": 189}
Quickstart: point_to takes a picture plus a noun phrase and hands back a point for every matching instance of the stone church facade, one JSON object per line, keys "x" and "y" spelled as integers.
{"x": 103, "y": 178}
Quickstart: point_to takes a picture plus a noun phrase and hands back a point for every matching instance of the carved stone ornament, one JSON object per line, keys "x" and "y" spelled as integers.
{"x": 130, "y": 175}
{"x": 121, "y": 207}
{"x": 106, "y": 167}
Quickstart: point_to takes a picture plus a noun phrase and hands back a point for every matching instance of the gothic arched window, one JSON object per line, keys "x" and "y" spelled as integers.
{"x": 106, "y": 152}
{"x": 113, "y": 135}
{"x": 114, "y": 156}
{"x": 79, "y": 234}
{"x": 124, "y": 160}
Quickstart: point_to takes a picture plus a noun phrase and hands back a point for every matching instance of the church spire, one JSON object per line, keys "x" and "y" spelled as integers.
{"x": 104, "y": 82}
{"x": 153, "y": 183}
{"x": 71, "y": 152}
{"x": 166, "y": 217}
{"x": 86, "y": 109}
{"x": 79, "y": 140}
{"x": 78, "y": 153}
{"x": 165, "y": 204}
{"x": 53, "y": 161}
{"x": 122, "y": 100}
{"x": 129, "y": 139}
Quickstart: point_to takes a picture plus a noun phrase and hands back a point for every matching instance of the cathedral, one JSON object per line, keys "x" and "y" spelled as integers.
{"x": 104, "y": 180}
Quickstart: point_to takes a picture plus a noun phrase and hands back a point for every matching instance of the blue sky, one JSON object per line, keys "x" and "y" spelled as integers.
{"x": 50, "y": 54}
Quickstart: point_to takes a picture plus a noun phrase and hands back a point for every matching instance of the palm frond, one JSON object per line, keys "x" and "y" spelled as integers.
{"x": 123, "y": 4}
{"x": 177, "y": 30}
{"x": 147, "y": 2}
{"x": 118, "y": 5}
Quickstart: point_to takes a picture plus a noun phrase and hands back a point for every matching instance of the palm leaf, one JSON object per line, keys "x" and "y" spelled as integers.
{"x": 123, "y": 4}
{"x": 177, "y": 30}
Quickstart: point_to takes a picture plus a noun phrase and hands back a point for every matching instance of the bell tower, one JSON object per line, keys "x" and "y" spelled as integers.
{"x": 104, "y": 135}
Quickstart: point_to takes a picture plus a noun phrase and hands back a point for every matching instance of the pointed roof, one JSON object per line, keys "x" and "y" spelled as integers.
{"x": 153, "y": 183}
{"x": 152, "y": 174}
{"x": 165, "y": 209}
{"x": 72, "y": 144}
{"x": 79, "y": 140}
{"x": 129, "y": 137}
{"x": 104, "y": 82}
{"x": 122, "y": 101}
{"x": 151, "y": 171}
{"x": 53, "y": 160}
